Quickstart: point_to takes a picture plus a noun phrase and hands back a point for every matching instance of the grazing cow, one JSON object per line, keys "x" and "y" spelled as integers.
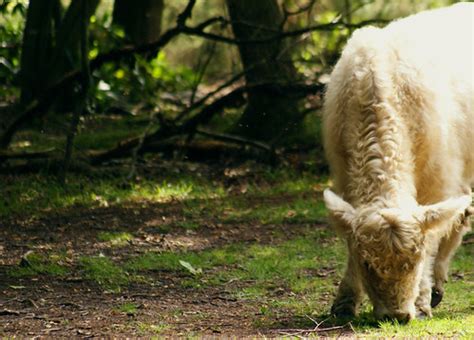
{"x": 399, "y": 137}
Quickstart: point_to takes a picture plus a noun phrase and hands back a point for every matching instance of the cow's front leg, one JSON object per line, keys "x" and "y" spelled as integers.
{"x": 349, "y": 295}
{"x": 423, "y": 301}
{"x": 446, "y": 250}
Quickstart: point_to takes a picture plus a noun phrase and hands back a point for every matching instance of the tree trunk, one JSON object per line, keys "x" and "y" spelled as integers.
{"x": 265, "y": 115}
{"x": 42, "y": 20}
{"x": 67, "y": 53}
{"x": 140, "y": 19}
{"x": 51, "y": 47}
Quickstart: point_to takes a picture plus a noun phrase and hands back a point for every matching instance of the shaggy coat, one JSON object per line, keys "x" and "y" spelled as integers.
{"x": 399, "y": 138}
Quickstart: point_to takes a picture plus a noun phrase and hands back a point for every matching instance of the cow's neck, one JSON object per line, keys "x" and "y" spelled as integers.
{"x": 381, "y": 163}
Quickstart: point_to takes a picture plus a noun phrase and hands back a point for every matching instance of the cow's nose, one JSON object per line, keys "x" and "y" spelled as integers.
{"x": 402, "y": 318}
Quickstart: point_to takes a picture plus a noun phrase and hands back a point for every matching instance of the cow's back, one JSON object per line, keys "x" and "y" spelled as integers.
{"x": 421, "y": 70}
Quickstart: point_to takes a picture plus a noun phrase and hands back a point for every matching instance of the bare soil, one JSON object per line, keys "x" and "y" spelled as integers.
{"x": 50, "y": 306}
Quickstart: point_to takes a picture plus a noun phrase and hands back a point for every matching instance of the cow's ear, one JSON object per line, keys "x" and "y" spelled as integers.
{"x": 437, "y": 214}
{"x": 340, "y": 210}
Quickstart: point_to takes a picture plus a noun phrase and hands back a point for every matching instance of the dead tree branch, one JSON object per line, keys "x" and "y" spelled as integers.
{"x": 225, "y": 137}
{"x": 235, "y": 98}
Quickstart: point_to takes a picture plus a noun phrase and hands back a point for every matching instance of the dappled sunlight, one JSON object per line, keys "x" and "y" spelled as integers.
{"x": 163, "y": 163}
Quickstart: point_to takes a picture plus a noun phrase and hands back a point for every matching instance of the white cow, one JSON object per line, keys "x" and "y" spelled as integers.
{"x": 399, "y": 138}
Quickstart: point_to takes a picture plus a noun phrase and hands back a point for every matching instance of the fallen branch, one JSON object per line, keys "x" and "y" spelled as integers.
{"x": 26, "y": 155}
{"x": 224, "y": 137}
{"x": 233, "y": 99}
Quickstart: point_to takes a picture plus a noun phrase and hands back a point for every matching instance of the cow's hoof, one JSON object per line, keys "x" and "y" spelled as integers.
{"x": 342, "y": 311}
{"x": 436, "y": 297}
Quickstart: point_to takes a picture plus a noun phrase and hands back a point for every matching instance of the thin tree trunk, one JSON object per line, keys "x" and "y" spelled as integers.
{"x": 42, "y": 20}
{"x": 51, "y": 47}
{"x": 265, "y": 115}
{"x": 67, "y": 53}
{"x": 81, "y": 101}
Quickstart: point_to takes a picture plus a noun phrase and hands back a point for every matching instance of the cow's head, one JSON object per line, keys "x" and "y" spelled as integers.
{"x": 388, "y": 247}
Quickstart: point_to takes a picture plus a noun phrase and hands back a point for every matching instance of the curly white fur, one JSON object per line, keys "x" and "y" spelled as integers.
{"x": 399, "y": 137}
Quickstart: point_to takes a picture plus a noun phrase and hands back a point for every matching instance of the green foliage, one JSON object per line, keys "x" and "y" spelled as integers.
{"x": 12, "y": 17}
{"x": 140, "y": 79}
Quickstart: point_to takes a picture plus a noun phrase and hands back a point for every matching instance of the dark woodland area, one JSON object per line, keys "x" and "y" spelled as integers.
{"x": 161, "y": 171}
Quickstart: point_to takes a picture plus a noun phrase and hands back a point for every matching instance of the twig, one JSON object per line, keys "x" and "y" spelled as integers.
{"x": 282, "y": 35}
{"x": 9, "y": 312}
{"x": 201, "y": 71}
{"x": 201, "y": 101}
{"x": 300, "y": 331}
{"x": 235, "y": 139}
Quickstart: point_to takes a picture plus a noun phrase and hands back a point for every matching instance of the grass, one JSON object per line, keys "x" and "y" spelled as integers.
{"x": 40, "y": 194}
{"x": 146, "y": 328}
{"x": 115, "y": 238}
{"x": 33, "y": 264}
{"x": 128, "y": 308}
{"x": 290, "y": 281}
{"x": 104, "y": 271}
{"x": 96, "y": 133}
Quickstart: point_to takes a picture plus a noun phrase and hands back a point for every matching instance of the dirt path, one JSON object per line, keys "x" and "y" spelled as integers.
{"x": 48, "y": 306}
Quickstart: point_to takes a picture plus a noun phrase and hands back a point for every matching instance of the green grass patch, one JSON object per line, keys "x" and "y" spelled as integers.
{"x": 115, "y": 238}
{"x": 291, "y": 210}
{"x": 105, "y": 272}
{"x": 128, "y": 308}
{"x": 147, "y": 328}
{"x": 277, "y": 199}
{"x": 37, "y": 193}
{"x": 34, "y": 264}
{"x": 170, "y": 261}
{"x": 446, "y": 327}
{"x": 306, "y": 265}
{"x": 99, "y": 133}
